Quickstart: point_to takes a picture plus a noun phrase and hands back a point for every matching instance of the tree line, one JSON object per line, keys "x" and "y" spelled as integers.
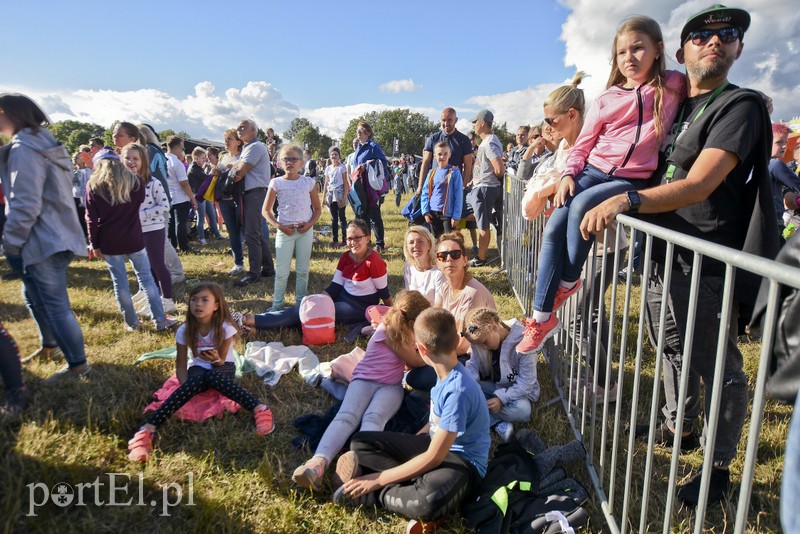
{"x": 409, "y": 128}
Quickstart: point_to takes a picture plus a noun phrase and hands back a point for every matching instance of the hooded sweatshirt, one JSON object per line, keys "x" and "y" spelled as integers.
{"x": 37, "y": 177}
{"x": 619, "y": 135}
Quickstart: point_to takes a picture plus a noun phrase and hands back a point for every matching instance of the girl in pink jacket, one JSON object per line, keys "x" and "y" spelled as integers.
{"x": 617, "y": 151}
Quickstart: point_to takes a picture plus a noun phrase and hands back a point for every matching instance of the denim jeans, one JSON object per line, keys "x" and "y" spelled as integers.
{"x": 564, "y": 250}
{"x": 232, "y": 217}
{"x": 256, "y": 234}
{"x": 733, "y": 406}
{"x": 516, "y": 411}
{"x": 122, "y": 290}
{"x": 44, "y": 290}
{"x": 348, "y": 311}
{"x": 206, "y": 208}
{"x": 790, "y": 492}
{"x": 286, "y": 246}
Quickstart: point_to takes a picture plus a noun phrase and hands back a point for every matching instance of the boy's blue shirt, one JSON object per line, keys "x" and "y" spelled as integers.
{"x": 455, "y": 192}
{"x": 458, "y": 405}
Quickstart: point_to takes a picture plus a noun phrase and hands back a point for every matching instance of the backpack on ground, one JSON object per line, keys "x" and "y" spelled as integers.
{"x": 318, "y": 317}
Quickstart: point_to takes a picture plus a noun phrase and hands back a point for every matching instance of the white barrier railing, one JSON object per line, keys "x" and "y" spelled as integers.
{"x": 594, "y": 315}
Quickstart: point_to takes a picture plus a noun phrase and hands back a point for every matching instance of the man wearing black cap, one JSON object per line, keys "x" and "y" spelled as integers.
{"x": 721, "y": 136}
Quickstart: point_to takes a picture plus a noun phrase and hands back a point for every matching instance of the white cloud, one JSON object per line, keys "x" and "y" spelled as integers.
{"x": 768, "y": 62}
{"x": 203, "y": 114}
{"x": 400, "y": 86}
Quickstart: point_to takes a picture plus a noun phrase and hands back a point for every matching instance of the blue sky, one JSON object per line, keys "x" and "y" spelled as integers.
{"x": 199, "y": 66}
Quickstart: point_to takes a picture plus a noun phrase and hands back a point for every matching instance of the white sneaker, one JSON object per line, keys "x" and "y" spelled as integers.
{"x": 144, "y": 310}
{"x": 504, "y": 431}
{"x": 169, "y": 305}
{"x": 237, "y": 269}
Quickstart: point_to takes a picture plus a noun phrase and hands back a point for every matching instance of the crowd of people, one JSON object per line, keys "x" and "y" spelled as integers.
{"x": 691, "y": 152}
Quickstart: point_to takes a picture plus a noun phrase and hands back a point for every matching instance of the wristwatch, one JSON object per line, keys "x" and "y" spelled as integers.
{"x": 634, "y": 202}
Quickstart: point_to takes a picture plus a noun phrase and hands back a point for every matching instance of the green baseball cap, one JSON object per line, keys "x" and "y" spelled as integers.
{"x": 716, "y": 14}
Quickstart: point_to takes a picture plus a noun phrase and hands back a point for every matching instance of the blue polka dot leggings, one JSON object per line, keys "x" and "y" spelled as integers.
{"x": 198, "y": 380}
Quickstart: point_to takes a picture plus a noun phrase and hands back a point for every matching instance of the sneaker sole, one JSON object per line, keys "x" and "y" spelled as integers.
{"x": 347, "y": 468}
{"x": 549, "y": 335}
{"x": 305, "y": 479}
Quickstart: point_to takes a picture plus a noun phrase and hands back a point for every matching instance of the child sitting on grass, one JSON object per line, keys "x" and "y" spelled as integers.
{"x": 208, "y": 332}
{"x": 425, "y": 476}
{"x": 507, "y": 378}
{"x": 375, "y": 393}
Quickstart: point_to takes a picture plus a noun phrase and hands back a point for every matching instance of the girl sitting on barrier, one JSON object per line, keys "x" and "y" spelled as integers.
{"x": 616, "y": 152}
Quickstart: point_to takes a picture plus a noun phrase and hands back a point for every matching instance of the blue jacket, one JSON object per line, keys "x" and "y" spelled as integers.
{"x": 453, "y": 197}
{"x": 368, "y": 151}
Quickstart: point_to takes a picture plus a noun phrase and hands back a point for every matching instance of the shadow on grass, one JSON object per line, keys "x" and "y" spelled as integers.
{"x": 59, "y": 496}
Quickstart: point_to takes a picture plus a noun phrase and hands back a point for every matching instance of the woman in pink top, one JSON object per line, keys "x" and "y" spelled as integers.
{"x": 615, "y": 153}
{"x": 375, "y": 392}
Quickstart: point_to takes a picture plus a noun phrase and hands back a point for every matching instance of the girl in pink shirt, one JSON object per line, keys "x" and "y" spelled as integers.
{"x": 616, "y": 151}
{"x": 375, "y": 392}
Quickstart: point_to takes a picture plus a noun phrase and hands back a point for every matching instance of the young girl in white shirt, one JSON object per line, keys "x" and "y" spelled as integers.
{"x": 298, "y": 210}
{"x": 208, "y": 332}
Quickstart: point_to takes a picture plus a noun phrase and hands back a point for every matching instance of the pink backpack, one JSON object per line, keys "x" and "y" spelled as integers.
{"x": 318, "y": 316}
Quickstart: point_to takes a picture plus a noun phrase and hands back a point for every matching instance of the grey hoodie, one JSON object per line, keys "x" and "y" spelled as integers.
{"x": 518, "y": 376}
{"x": 36, "y": 173}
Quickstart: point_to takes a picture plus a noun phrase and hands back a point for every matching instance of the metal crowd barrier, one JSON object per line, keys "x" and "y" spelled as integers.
{"x": 606, "y": 425}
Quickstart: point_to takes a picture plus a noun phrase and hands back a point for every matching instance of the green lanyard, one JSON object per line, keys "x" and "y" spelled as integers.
{"x": 671, "y": 167}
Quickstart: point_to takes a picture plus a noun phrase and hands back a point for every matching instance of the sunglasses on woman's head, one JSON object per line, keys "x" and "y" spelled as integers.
{"x": 727, "y": 35}
{"x": 455, "y": 254}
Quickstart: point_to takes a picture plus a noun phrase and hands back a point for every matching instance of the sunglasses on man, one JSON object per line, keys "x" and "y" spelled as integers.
{"x": 727, "y": 35}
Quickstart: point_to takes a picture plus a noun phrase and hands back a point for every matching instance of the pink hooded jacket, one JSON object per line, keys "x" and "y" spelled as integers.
{"x": 619, "y": 134}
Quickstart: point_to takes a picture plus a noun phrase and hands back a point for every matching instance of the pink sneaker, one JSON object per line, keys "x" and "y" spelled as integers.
{"x": 141, "y": 445}
{"x": 563, "y": 294}
{"x": 537, "y": 333}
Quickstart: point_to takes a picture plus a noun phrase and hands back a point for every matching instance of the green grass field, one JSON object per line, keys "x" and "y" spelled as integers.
{"x": 220, "y": 476}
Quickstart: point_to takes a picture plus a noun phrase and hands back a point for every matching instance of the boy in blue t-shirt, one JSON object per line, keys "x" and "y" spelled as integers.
{"x": 427, "y": 475}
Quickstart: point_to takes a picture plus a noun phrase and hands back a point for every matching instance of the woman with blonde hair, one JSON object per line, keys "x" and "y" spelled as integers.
{"x": 420, "y": 272}
{"x": 113, "y": 198}
{"x": 230, "y": 205}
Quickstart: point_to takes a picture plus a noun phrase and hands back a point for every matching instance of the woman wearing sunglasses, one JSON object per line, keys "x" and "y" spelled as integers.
{"x": 360, "y": 281}
{"x": 459, "y": 294}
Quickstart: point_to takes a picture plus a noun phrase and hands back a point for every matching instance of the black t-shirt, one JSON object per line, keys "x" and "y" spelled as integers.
{"x": 196, "y": 176}
{"x": 727, "y": 123}
{"x": 460, "y": 146}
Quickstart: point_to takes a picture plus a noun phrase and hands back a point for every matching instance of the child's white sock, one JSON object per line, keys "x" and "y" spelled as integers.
{"x": 540, "y": 316}
{"x": 567, "y": 285}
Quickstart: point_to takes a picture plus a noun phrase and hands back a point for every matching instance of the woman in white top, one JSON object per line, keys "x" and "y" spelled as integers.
{"x": 420, "y": 272}
{"x": 334, "y": 192}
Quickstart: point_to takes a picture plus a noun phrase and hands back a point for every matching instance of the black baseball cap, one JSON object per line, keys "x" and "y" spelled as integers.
{"x": 716, "y": 14}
